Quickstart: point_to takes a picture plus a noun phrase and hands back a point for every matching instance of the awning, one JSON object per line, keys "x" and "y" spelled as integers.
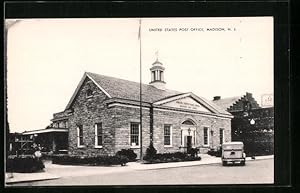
{"x": 48, "y": 130}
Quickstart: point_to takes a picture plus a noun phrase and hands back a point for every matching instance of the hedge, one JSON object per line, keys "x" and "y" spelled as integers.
{"x": 129, "y": 153}
{"x": 89, "y": 160}
{"x": 259, "y": 148}
{"x": 171, "y": 157}
{"x": 214, "y": 152}
{"x": 24, "y": 164}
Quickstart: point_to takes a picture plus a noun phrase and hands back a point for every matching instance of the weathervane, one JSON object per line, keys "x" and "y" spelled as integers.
{"x": 156, "y": 54}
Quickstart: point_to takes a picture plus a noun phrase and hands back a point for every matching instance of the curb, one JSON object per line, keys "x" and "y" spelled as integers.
{"x": 198, "y": 164}
{"x": 12, "y": 181}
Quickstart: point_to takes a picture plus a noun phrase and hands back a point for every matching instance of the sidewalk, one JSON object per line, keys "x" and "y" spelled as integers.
{"x": 11, "y": 178}
{"x": 55, "y": 171}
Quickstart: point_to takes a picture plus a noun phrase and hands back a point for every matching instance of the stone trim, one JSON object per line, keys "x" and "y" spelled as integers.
{"x": 170, "y": 109}
{"x": 190, "y": 94}
{"x": 125, "y": 105}
{"x": 190, "y": 112}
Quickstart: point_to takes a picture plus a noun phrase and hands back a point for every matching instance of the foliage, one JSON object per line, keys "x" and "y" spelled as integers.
{"x": 258, "y": 149}
{"x": 194, "y": 152}
{"x": 171, "y": 157}
{"x": 129, "y": 153}
{"x": 24, "y": 164}
{"x": 258, "y": 138}
{"x": 89, "y": 160}
{"x": 150, "y": 152}
{"x": 215, "y": 152}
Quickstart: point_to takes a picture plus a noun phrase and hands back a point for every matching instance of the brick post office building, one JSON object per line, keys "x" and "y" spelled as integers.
{"x": 103, "y": 117}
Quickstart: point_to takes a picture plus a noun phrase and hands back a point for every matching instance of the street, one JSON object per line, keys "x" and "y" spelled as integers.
{"x": 255, "y": 172}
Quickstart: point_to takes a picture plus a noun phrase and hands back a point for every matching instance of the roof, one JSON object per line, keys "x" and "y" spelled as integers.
{"x": 130, "y": 90}
{"x": 47, "y": 130}
{"x": 226, "y": 102}
{"x": 125, "y": 89}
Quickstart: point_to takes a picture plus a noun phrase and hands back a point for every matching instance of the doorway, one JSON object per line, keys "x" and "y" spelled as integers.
{"x": 188, "y": 135}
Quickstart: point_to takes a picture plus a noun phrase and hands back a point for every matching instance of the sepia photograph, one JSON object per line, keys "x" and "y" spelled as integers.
{"x": 139, "y": 101}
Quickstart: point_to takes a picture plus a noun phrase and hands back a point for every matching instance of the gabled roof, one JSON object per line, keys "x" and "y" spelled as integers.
{"x": 124, "y": 89}
{"x": 236, "y": 103}
{"x": 206, "y": 103}
{"x": 129, "y": 90}
{"x": 226, "y": 102}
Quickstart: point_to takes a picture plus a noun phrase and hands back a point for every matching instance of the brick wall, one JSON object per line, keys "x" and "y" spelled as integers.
{"x": 122, "y": 117}
{"x": 176, "y": 119}
{"x": 87, "y": 112}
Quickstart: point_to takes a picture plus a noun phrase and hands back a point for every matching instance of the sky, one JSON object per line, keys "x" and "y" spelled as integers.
{"x": 46, "y": 58}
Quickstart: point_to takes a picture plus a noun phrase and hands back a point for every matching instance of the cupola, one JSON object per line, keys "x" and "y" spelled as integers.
{"x": 157, "y": 75}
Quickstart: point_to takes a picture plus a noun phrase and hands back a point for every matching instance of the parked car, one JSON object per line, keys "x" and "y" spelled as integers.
{"x": 233, "y": 152}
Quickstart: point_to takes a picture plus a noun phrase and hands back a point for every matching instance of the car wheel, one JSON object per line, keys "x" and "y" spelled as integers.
{"x": 224, "y": 163}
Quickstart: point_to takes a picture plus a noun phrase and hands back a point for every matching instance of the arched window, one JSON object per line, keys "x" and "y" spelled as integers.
{"x": 188, "y": 122}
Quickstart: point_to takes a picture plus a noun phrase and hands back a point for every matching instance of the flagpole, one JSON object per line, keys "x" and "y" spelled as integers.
{"x": 141, "y": 130}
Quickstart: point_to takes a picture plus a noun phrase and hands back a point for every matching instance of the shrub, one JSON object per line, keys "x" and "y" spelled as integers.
{"x": 259, "y": 148}
{"x": 129, "y": 153}
{"x": 194, "y": 152}
{"x": 24, "y": 164}
{"x": 214, "y": 152}
{"x": 150, "y": 152}
{"x": 89, "y": 160}
{"x": 171, "y": 157}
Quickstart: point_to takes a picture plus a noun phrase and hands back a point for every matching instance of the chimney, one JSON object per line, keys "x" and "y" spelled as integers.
{"x": 217, "y": 98}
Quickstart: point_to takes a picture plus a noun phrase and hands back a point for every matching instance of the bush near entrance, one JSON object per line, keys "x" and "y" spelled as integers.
{"x": 89, "y": 160}
{"x": 172, "y": 157}
{"x": 24, "y": 164}
{"x": 153, "y": 157}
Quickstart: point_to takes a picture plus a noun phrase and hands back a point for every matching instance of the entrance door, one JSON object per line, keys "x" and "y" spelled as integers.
{"x": 189, "y": 143}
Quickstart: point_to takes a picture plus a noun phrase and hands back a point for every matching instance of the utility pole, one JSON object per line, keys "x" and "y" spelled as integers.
{"x": 141, "y": 115}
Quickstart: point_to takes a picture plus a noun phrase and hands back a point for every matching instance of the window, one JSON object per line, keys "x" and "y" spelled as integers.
{"x": 134, "y": 134}
{"x": 167, "y": 135}
{"x": 98, "y": 135}
{"x": 181, "y": 139}
{"x": 158, "y": 75}
{"x": 153, "y": 75}
{"x": 188, "y": 122}
{"x": 206, "y": 136}
{"x": 79, "y": 136}
{"x": 221, "y": 136}
{"x": 89, "y": 92}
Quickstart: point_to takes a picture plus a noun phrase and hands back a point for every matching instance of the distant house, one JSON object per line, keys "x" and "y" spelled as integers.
{"x": 19, "y": 144}
{"x": 251, "y": 124}
{"x": 103, "y": 117}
